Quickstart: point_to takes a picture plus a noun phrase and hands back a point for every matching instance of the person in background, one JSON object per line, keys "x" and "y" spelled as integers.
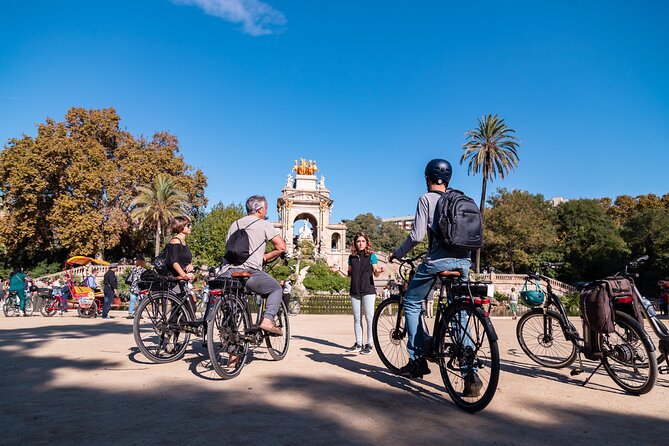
{"x": 17, "y": 282}
{"x": 110, "y": 285}
{"x": 135, "y": 274}
{"x": 287, "y": 288}
{"x": 89, "y": 280}
{"x": 57, "y": 292}
{"x": 362, "y": 268}
{"x": 513, "y": 303}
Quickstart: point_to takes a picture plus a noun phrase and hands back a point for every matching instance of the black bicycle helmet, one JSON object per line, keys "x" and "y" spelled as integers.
{"x": 439, "y": 169}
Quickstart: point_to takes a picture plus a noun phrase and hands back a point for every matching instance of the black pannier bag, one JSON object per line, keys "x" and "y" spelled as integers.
{"x": 622, "y": 287}
{"x": 596, "y": 309}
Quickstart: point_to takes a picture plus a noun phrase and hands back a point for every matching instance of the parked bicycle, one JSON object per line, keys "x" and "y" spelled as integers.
{"x": 231, "y": 333}
{"x": 165, "y": 320}
{"x": 12, "y": 307}
{"x": 626, "y": 304}
{"x": 53, "y": 304}
{"x": 548, "y": 337}
{"x": 464, "y": 344}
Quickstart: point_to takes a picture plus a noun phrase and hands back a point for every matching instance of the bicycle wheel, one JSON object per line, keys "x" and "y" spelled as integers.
{"x": 627, "y": 359}
{"x": 294, "y": 307}
{"x": 88, "y": 312}
{"x": 389, "y": 333}
{"x": 49, "y": 307}
{"x": 543, "y": 340}
{"x": 158, "y": 327}
{"x": 29, "y": 306}
{"x": 10, "y": 308}
{"x": 227, "y": 342}
{"x": 278, "y": 345}
{"x": 468, "y": 357}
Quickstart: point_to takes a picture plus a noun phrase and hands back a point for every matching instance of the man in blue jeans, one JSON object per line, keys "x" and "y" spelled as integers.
{"x": 109, "y": 287}
{"x": 439, "y": 258}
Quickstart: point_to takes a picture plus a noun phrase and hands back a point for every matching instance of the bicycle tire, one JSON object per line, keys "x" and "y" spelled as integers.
{"x": 9, "y": 308}
{"x": 48, "y": 307}
{"x": 389, "y": 336}
{"x": 88, "y": 312}
{"x": 469, "y": 355}
{"x": 552, "y": 350}
{"x": 277, "y": 346}
{"x": 625, "y": 349}
{"x": 226, "y": 336}
{"x": 28, "y": 307}
{"x": 294, "y": 308}
{"x": 155, "y": 339}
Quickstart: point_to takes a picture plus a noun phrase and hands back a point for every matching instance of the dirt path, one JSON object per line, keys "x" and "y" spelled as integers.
{"x": 75, "y": 381}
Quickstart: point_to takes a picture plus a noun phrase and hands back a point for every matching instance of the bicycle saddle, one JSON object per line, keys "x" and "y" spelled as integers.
{"x": 449, "y": 274}
{"x": 241, "y": 274}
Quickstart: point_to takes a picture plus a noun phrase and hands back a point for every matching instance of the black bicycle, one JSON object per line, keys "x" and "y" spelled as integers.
{"x": 548, "y": 337}
{"x": 230, "y": 332}
{"x": 165, "y": 320}
{"x": 12, "y": 307}
{"x": 464, "y": 344}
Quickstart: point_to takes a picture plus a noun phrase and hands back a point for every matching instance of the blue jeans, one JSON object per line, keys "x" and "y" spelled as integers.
{"x": 133, "y": 301}
{"x": 106, "y": 305}
{"x": 419, "y": 287}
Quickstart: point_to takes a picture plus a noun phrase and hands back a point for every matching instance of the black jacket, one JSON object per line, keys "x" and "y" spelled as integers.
{"x": 110, "y": 281}
{"x": 362, "y": 275}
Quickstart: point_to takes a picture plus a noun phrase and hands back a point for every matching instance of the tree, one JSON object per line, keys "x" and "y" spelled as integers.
{"x": 69, "y": 189}
{"x": 157, "y": 204}
{"x": 492, "y": 150}
{"x": 589, "y": 241}
{"x": 208, "y": 239}
{"x": 519, "y": 231}
{"x": 384, "y": 236}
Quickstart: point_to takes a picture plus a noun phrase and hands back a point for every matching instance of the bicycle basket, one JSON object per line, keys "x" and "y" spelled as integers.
{"x": 532, "y": 295}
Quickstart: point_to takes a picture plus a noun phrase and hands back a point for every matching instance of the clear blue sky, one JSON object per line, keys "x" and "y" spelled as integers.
{"x": 370, "y": 89}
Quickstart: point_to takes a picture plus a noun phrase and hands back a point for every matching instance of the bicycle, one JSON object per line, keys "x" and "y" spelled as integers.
{"x": 165, "y": 320}
{"x": 294, "y": 306}
{"x": 464, "y": 344}
{"x": 12, "y": 305}
{"x": 626, "y": 305}
{"x": 548, "y": 338}
{"x": 230, "y": 333}
{"x": 53, "y": 304}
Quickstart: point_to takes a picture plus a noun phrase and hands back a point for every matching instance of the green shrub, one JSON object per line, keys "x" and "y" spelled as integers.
{"x": 320, "y": 278}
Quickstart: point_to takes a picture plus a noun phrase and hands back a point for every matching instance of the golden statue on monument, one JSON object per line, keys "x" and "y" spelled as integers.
{"x": 305, "y": 167}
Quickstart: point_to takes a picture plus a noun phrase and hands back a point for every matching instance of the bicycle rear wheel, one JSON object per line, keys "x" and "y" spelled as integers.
{"x": 542, "y": 339}
{"x": 10, "y": 308}
{"x": 157, "y": 327}
{"x": 389, "y": 334}
{"x": 468, "y": 356}
{"x": 29, "y": 306}
{"x": 227, "y": 341}
{"x": 627, "y": 358}
{"x": 49, "y": 307}
{"x": 278, "y": 345}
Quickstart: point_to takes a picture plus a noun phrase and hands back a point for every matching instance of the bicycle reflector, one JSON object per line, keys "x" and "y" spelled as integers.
{"x": 624, "y": 299}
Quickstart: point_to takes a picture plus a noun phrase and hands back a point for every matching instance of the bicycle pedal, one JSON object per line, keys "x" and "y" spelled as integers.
{"x": 663, "y": 370}
{"x": 252, "y": 329}
{"x": 576, "y": 371}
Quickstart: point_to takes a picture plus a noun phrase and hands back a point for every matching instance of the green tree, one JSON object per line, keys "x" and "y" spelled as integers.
{"x": 208, "y": 239}
{"x": 519, "y": 230}
{"x": 320, "y": 278}
{"x": 491, "y": 149}
{"x": 384, "y": 236}
{"x": 157, "y": 204}
{"x": 589, "y": 241}
{"x": 69, "y": 189}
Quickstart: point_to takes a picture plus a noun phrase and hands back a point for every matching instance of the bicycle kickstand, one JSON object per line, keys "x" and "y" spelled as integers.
{"x": 591, "y": 375}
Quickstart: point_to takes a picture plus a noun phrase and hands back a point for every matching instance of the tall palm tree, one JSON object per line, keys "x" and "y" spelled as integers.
{"x": 158, "y": 203}
{"x": 491, "y": 148}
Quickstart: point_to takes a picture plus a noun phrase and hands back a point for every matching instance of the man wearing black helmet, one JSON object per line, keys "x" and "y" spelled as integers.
{"x": 437, "y": 176}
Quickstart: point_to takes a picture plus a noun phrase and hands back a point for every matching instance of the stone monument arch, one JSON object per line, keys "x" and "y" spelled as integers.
{"x": 305, "y": 197}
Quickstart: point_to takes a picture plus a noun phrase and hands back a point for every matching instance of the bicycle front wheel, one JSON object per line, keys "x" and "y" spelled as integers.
{"x": 227, "y": 341}
{"x": 468, "y": 356}
{"x": 10, "y": 308}
{"x": 389, "y": 334}
{"x": 49, "y": 307}
{"x": 29, "y": 306}
{"x": 157, "y": 327}
{"x": 629, "y": 360}
{"x": 542, "y": 339}
{"x": 278, "y": 345}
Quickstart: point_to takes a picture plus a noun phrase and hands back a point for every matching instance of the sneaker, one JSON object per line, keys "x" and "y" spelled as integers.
{"x": 106, "y": 317}
{"x": 366, "y": 350}
{"x": 473, "y": 385}
{"x": 415, "y": 368}
{"x": 354, "y": 348}
{"x": 130, "y": 316}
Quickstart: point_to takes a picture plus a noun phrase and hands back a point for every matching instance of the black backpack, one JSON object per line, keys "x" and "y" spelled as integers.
{"x": 237, "y": 249}
{"x": 161, "y": 263}
{"x": 458, "y": 221}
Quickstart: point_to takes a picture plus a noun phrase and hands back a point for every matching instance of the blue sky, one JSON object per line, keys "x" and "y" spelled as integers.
{"x": 371, "y": 90}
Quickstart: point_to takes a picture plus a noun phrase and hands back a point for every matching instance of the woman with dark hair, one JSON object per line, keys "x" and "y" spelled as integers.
{"x": 362, "y": 268}
{"x": 178, "y": 252}
{"x": 17, "y": 281}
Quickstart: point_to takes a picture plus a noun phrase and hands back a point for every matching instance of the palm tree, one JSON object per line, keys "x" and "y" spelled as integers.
{"x": 491, "y": 149}
{"x": 158, "y": 203}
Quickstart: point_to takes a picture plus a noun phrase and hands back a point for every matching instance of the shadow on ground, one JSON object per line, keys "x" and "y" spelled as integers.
{"x": 325, "y": 411}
